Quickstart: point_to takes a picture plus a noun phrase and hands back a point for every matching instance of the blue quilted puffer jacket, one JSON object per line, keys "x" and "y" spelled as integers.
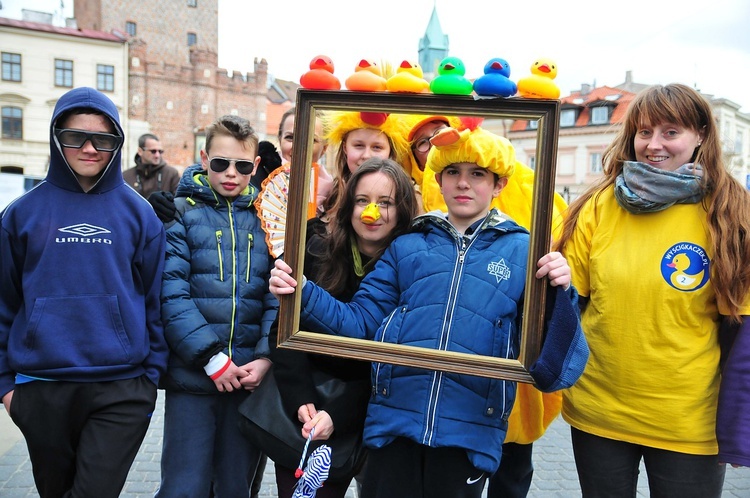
{"x": 215, "y": 288}
{"x": 436, "y": 288}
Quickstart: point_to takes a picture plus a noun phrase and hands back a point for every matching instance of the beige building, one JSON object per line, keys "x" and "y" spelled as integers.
{"x": 40, "y": 62}
{"x": 589, "y": 121}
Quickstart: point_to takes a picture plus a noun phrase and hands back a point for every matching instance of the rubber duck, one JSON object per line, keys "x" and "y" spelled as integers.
{"x": 679, "y": 278}
{"x": 320, "y": 76}
{"x": 367, "y": 77}
{"x": 408, "y": 79}
{"x": 371, "y": 214}
{"x": 496, "y": 80}
{"x": 539, "y": 84}
{"x": 450, "y": 79}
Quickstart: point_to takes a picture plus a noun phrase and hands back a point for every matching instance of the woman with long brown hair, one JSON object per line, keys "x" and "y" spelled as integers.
{"x": 659, "y": 252}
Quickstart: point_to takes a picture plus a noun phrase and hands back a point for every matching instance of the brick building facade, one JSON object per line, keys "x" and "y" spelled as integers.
{"x": 175, "y": 85}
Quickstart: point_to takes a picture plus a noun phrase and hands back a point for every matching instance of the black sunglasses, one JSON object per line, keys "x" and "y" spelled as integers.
{"x": 243, "y": 166}
{"x": 155, "y": 151}
{"x": 75, "y": 139}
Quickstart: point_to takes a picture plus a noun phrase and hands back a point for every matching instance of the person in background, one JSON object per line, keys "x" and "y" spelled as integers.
{"x": 217, "y": 313}
{"x": 440, "y": 434}
{"x": 151, "y": 172}
{"x": 82, "y": 347}
{"x": 659, "y": 251}
{"x": 533, "y": 411}
{"x": 359, "y": 136}
{"x": 377, "y": 206}
{"x": 322, "y": 181}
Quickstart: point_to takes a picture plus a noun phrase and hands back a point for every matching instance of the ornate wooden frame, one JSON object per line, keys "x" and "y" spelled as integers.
{"x": 547, "y": 115}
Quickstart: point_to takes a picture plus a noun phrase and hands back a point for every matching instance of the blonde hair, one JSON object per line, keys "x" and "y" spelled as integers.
{"x": 726, "y": 201}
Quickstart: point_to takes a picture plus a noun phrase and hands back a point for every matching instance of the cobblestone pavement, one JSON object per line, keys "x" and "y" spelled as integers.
{"x": 554, "y": 476}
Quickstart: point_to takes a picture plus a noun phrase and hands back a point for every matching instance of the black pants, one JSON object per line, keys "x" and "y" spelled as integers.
{"x": 83, "y": 437}
{"x": 608, "y": 468}
{"x": 405, "y": 469}
{"x": 513, "y": 478}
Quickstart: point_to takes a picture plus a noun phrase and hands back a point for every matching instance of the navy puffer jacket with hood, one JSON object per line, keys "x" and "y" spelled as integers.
{"x": 215, "y": 294}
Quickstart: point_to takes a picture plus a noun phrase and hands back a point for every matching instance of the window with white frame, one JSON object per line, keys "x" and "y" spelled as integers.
{"x": 63, "y": 73}
{"x": 738, "y": 142}
{"x": 12, "y": 122}
{"x": 595, "y": 165}
{"x": 11, "y": 66}
{"x": 192, "y": 3}
{"x": 600, "y": 115}
{"x": 192, "y": 39}
{"x": 567, "y": 117}
{"x": 105, "y": 78}
{"x": 131, "y": 28}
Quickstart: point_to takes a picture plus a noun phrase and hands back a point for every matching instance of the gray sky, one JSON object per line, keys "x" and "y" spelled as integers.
{"x": 704, "y": 45}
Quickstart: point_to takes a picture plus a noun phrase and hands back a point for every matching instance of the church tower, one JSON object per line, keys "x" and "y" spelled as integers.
{"x": 433, "y": 47}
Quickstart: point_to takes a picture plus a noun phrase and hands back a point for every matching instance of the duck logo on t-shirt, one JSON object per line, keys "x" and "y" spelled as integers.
{"x": 685, "y": 266}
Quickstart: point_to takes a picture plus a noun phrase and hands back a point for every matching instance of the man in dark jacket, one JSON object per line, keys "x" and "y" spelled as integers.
{"x": 151, "y": 172}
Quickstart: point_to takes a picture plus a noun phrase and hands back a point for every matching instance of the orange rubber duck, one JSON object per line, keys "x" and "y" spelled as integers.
{"x": 320, "y": 76}
{"x": 367, "y": 77}
{"x": 408, "y": 79}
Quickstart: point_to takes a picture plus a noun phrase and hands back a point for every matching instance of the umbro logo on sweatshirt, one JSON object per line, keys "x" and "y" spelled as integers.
{"x": 83, "y": 233}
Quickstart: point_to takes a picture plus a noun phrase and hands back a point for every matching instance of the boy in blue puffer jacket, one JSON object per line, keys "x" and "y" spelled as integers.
{"x": 455, "y": 283}
{"x": 217, "y": 313}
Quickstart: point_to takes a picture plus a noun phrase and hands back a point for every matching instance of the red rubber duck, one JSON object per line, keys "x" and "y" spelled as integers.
{"x": 320, "y": 76}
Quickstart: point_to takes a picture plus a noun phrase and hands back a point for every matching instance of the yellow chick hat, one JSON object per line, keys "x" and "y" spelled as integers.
{"x": 339, "y": 123}
{"x": 477, "y": 146}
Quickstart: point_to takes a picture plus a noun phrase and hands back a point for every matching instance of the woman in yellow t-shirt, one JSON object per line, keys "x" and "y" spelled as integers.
{"x": 659, "y": 253}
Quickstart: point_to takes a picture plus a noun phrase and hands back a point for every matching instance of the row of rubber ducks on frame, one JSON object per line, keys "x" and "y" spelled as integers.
{"x": 450, "y": 79}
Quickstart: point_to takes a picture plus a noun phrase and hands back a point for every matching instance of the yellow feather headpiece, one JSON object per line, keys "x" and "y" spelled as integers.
{"x": 340, "y": 123}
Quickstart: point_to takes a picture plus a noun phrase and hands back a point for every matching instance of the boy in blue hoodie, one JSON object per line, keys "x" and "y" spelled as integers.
{"x": 82, "y": 347}
{"x": 455, "y": 283}
{"x": 217, "y": 313}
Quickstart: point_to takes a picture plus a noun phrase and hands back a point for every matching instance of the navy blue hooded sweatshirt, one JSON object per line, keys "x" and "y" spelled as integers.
{"x": 80, "y": 273}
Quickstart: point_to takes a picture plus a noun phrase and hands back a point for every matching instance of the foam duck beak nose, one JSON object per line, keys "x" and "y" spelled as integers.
{"x": 371, "y": 214}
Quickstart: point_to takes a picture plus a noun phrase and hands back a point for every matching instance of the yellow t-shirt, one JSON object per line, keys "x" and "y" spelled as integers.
{"x": 651, "y": 324}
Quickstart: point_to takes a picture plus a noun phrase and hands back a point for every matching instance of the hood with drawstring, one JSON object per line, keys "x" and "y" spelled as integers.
{"x": 80, "y": 273}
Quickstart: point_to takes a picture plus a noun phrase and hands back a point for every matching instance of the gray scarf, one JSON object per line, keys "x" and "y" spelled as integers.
{"x": 641, "y": 188}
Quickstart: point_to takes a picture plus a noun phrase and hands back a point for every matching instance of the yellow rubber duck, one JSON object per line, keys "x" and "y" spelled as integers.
{"x": 679, "y": 278}
{"x": 539, "y": 84}
{"x": 408, "y": 79}
{"x": 371, "y": 214}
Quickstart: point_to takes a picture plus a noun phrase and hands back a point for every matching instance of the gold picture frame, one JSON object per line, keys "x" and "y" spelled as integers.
{"x": 545, "y": 112}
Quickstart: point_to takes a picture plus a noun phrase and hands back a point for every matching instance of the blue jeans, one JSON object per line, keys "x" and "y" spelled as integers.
{"x": 202, "y": 444}
{"x": 609, "y": 468}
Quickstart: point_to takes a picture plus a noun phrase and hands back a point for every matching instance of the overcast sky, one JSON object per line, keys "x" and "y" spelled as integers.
{"x": 702, "y": 44}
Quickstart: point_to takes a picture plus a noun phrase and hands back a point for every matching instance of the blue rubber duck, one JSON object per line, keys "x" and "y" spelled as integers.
{"x": 451, "y": 79}
{"x": 496, "y": 80}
